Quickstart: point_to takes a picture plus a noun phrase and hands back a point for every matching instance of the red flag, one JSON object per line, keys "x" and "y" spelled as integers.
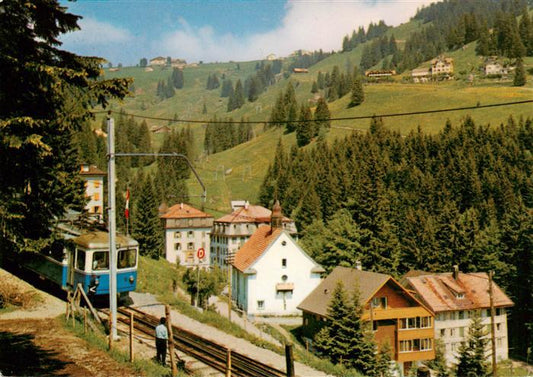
{"x": 127, "y": 208}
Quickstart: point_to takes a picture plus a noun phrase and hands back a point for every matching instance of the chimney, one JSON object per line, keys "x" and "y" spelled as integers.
{"x": 455, "y": 272}
{"x": 358, "y": 265}
{"x": 246, "y": 204}
{"x": 181, "y": 205}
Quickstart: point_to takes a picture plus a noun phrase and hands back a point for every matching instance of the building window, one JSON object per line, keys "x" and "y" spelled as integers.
{"x": 284, "y": 263}
{"x": 177, "y": 246}
{"x": 96, "y": 184}
{"x": 406, "y": 345}
{"x": 462, "y": 314}
{"x": 177, "y": 235}
{"x": 452, "y": 332}
{"x": 96, "y": 196}
{"x": 415, "y": 323}
{"x": 260, "y": 305}
{"x": 498, "y": 326}
{"x": 190, "y": 234}
{"x": 442, "y": 332}
{"x": 283, "y": 243}
{"x": 425, "y": 344}
{"x": 190, "y": 246}
{"x": 379, "y": 302}
{"x": 461, "y": 331}
{"x": 284, "y": 278}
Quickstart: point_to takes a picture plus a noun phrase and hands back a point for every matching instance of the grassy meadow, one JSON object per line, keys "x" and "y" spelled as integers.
{"x": 238, "y": 173}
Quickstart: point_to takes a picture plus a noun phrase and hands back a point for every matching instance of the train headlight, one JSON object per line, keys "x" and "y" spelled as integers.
{"x": 96, "y": 281}
{"x": 132, "y": 279}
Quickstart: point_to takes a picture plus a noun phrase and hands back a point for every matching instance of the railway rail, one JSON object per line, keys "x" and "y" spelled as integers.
{"x": 204, "y": 350}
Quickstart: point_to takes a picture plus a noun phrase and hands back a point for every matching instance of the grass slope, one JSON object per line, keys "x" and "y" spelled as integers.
{"x": 238, "y": 173}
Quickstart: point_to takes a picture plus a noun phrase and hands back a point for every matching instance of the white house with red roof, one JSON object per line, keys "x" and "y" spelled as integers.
{"x": 187, "y": 230}
{"x": 271, "y": 273}
{"x": 454, "y": 297}
{"x": 230, "y": 232}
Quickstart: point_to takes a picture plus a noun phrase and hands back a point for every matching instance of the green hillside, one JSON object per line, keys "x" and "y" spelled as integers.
{"x": 238, "y": 173}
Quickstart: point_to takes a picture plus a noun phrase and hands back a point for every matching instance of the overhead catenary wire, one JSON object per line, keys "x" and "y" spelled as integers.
{"x": 360, "y": 117}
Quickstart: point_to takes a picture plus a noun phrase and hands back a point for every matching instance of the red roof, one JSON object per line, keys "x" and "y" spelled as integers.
{"x": 250, "y": 214}
{"x": 183, "y": 211}
{"x": 255, "y": 246}
{"x": 469, "y": 291}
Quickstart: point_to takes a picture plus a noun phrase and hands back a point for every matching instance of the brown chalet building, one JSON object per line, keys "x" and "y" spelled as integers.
{"x": 397, "y": 317}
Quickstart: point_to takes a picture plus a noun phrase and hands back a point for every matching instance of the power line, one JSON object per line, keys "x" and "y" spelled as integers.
{"x": 389, "y": 115}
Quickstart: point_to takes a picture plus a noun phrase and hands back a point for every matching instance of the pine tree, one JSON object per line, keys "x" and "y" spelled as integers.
{"x": 50, "y": 92}
{"x": 314, "y": 87}
{"x": 177, "y": 80}
{"x": 358, "y": 95}
{"x": 322, "y": 115}
{"x": 519, "y": 74}
{"x": 304, "y": 128}
{"x": 147, "y": 227}
{"x": 472, "y": 358}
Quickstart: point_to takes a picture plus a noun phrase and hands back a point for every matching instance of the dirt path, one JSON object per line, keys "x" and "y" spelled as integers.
{"x": 42, "y": 347}
{"x": 34, "y": 342}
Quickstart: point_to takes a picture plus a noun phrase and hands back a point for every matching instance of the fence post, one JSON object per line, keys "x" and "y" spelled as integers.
{"x": 289, "y": 359}
{"x": 131, "y": 337}
{"x": 85, "y": 320}
{"x": 170, "y": 341}
{"x": 228, "y": 362}
{"x": 110, "y": 331}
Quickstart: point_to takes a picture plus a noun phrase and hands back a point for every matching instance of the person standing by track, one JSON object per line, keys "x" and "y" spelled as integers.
{"x": 161, "y": 338}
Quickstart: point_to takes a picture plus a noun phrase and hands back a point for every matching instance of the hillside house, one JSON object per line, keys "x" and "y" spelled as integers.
{"x": 495, "y": 69}
{"x": 380, "y": 73}
{"x": 187, "y": 229}
{"x": 442, "y": 66}
{"x": 158, "y": 61}
{"x": 230, "y": 232}
{"x": 94, "y": 189}
{"x": 300, "y": 70}
{"x": 420, "y": 75}
{"x": 271, "y": 274}
{"x": 454, "y": 297}
{"x": 271, "y": 57}
{"x": 397, "y": 317}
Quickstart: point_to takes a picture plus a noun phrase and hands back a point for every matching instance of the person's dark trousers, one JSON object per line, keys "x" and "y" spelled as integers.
{"x": 161, "y": 345}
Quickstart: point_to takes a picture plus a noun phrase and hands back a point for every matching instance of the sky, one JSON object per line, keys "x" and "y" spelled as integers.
{"x": 124, "y": 31}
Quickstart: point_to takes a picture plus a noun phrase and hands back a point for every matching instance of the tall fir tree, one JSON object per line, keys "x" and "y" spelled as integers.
{"x": 357, "y": 95}
{"x": 472, "y": 356}
{"x": 147, "y": 227}
{"x": 519, "y": 74}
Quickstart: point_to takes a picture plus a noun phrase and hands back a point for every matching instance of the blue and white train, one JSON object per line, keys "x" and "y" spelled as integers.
{"x": 85, "y": 259}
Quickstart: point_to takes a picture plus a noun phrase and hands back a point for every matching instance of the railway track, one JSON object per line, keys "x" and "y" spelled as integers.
{"x": 206, "y": 351}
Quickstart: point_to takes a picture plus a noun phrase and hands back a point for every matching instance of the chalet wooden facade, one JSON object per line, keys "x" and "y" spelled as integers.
{"x": 396, "y": 316}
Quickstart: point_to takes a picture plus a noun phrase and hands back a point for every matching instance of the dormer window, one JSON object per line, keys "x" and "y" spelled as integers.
{"x": 379, "y": 302}
{"x": 459, "y": 295}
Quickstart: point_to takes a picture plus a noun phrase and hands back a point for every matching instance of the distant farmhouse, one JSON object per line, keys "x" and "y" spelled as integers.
{"x": 439, "y": 67}
{"x": 495, "y": 68}
{"x": 380, "y": 73}
{"x": 271, "y": 57}
{"x": 158, "y": 61}
{"x": 300, "y": 70}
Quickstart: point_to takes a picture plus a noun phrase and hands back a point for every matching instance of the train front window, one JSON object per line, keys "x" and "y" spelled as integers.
{"x": 100, "y": 260}
{"x": 127, "y": 258}
{"x": 80, "y": 260}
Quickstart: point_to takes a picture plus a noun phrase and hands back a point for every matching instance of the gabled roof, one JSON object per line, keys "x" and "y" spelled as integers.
{"x": 368, "y": 283}
{"x": 91, "y": 170}
{"x": 441, "y": 292}
{"x": 256, "y": 245}
{"x": 183, "y": 211}
{"x": 249, "y": 214}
